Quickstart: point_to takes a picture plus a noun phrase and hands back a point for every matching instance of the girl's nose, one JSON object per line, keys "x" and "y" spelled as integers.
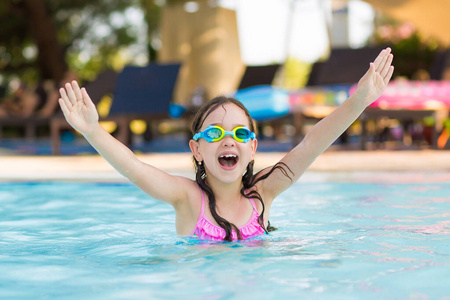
{"x": 229, "y": 141}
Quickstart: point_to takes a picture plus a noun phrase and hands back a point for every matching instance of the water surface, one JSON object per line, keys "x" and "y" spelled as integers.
{"x": 334, "y": 240}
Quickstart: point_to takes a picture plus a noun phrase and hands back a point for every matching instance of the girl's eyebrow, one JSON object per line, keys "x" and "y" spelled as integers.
{"x": 234, "y": 125}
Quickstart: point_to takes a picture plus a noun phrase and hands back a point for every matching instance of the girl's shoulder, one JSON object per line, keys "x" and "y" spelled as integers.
{"x": 192, "y": 192}
{"x": 189, "y": 207}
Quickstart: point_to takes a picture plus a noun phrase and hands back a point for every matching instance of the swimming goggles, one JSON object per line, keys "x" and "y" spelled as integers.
{"x": 215, "y": 133}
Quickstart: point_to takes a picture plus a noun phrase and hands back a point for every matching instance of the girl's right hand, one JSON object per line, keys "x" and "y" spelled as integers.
{"x": 374, "y": 82}
{"x": 78, "y": 108}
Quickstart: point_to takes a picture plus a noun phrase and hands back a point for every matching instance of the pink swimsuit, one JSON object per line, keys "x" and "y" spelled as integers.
{"x": 206, "y": 230}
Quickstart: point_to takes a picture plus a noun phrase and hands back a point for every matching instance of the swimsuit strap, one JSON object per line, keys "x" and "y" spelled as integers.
{"x": 252, "y": 201}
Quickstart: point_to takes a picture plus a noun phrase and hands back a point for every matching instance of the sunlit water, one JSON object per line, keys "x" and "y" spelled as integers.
{"x": 334, "y": 241}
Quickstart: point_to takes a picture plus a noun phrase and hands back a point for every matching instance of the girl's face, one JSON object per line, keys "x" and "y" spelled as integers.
{"x": 227, "y": 159}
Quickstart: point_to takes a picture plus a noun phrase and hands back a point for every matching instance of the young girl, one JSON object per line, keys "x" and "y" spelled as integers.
{"x": 220, "y": 204}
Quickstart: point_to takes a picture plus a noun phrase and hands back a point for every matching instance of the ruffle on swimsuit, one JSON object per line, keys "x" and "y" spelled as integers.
{"x": 206, "y": 230}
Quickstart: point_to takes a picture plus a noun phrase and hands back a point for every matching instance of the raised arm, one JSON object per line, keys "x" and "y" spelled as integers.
{"x": 81, "y": 113}
{"x": 325, "y": 132}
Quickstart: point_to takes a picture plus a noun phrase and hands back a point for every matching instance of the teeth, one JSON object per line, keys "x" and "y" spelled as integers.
{"x": 228, "y": 156}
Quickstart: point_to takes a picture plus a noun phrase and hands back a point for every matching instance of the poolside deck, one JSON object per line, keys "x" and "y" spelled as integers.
{"x": 358, "y": 166}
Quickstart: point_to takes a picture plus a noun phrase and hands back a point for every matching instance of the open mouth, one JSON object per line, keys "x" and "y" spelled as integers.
{"x": 228, "y": 161}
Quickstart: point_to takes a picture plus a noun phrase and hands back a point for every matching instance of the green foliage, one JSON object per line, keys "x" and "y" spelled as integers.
{"x": 13, "y": 37}
{"x": 91, "y": 33}
{"x": 413, "y": 54}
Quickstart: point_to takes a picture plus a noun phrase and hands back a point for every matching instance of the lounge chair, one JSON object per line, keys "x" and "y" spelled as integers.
{"x": 338, "y": 73}
{"x": 140, "y": 93}
{"x": 344, "y": 66}
{"x": 258, "y": 75}
{"x": 30, "y": 124}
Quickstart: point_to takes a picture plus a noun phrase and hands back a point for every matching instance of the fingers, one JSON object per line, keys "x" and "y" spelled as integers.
{"x": 371, "y": 68}
{"x": 86, "y": 98}
{"x": 76, "y": 90}
{"x": 380, "y": 57}
{"x": 70, "y": 93}
{"x": 380, "y": 61}
{"x": 388, "y": 75}
{"x": 383, "y": 65}
{"x": 64, "y": 107}
{"x": 386, "y": 67}
{"x": 65, "y": 98}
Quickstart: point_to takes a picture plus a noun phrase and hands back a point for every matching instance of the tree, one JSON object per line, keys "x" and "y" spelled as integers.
{"x": 41, "y": 39}
{"x": 41, "y": 27}
{"x": 152, "y": 13}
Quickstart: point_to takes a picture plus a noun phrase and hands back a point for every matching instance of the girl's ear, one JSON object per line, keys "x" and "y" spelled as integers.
{"x": 195, "y": 151}
{"x": 254, "y": 147}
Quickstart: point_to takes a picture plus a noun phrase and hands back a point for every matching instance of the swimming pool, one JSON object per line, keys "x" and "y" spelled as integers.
{"x": 334, "y": 240}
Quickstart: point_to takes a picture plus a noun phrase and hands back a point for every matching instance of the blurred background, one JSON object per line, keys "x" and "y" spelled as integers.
{"x": 44, "y": 43}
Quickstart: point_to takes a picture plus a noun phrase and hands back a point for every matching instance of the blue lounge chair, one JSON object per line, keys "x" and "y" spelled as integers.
{"x": 258, "y": 75}
{"x": 140, "y": 93}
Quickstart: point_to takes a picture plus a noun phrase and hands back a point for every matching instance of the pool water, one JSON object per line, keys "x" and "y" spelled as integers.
{"x": 334, "y": 241}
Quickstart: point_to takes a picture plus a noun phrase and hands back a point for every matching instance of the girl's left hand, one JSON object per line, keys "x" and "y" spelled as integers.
{"x": 374, "y": 82}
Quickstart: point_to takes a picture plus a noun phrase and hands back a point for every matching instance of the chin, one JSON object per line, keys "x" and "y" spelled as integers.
{"x": 231, "y": 176}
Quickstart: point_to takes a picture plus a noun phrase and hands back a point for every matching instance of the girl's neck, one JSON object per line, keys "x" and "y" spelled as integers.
{"x": 225, "y": 192}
